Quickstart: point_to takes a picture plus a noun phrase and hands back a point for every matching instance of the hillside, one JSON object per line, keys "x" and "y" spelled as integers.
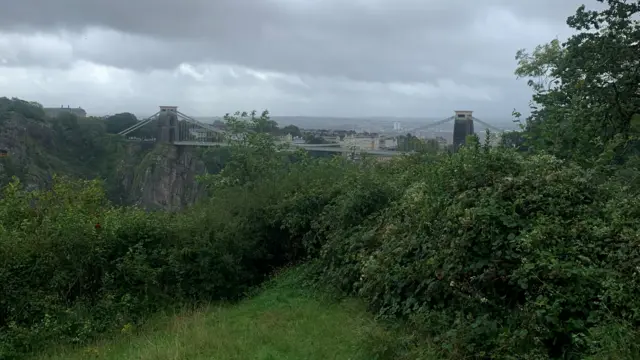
{"x": 39, "y": 147}
{"x": 134, "y": 173}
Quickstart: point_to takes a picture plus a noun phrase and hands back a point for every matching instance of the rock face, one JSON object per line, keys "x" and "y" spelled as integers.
{"x": 153, "y": 176}
{"x": 25, "y": 144}
{"x": 166, "y": 179}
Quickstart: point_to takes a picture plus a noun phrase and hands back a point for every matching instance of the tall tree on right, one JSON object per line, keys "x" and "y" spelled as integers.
{"x": 587, "y": 89}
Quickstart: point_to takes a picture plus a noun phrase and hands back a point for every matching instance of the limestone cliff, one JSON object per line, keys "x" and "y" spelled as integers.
{"x": 34, "y": 148}
{"x": 166, "y": 178}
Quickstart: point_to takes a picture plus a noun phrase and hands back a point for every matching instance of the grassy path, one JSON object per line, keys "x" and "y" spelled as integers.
{"x": 282, "y": 322}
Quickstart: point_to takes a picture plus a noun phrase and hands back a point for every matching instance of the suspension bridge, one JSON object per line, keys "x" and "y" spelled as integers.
{"x": 463, "y": 125}
{"x": 174, "y": 127}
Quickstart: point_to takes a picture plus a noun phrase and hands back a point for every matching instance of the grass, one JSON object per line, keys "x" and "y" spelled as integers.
{"x": 283, "y": 321}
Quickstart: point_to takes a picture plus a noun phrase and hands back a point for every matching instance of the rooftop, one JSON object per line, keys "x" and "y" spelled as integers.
{"x": 54, "y": 111}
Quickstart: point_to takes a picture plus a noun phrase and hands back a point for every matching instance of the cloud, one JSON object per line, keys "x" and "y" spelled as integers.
{"x": 326, "y": 56}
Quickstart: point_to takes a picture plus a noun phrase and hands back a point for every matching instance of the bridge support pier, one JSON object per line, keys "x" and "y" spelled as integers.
{"x": 462, "y": 127}
{"x": 167, "y": 125}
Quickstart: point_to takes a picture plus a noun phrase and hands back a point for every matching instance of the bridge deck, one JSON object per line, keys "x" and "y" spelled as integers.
{"x": 308, "y": 147}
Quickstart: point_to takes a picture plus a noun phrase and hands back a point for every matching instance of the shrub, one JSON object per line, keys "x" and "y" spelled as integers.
{"x": 488, "y": 252}
{"x": 495, "y": 253}
{"x": 72, "y": 265}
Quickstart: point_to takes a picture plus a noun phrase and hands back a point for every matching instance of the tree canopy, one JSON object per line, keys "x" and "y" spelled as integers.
{"x": 118, "y": 122}
{"x": 586, "y": 90}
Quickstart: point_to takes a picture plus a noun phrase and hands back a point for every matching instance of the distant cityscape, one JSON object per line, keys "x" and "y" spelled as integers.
{"x": 365, "y": 127}
{"x": 386, "y": 127}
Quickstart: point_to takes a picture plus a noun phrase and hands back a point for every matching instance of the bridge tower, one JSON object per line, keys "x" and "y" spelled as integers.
{"x": 462, "y": 126}
{"x": 167, "y": 124}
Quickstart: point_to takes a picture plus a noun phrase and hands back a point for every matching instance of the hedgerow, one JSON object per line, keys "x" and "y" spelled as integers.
{"x": 487, "y": 251}
{"x": 73, "y": 266}
{"x": 498, "y": 254}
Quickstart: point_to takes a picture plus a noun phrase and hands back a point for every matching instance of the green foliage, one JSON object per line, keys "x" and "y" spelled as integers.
{"x": 488, "y": 251}
{"x": 254, "y": 154}
{"x": 513, "y": 139}
{"x": 412, "y": 143}
{"x": 71, "y": 265}
{"x": 586, "y": 90}
{"x": 79, "y": 147}
{"x": 29, "y": 109}
{"x": 312, "y": 139}
{"x": 214, "y": 158}
{"x": 493, "y": 251}
{"x": 292, "y": 130}
{"x": 485, "y": 251}
{"x": 273, "y": 324}
{"x": 118, "y": 122}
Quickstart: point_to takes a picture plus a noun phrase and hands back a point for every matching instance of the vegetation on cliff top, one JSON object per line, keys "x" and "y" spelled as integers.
{"x": 522, "y": 251}
{"x": 39, "y": 147}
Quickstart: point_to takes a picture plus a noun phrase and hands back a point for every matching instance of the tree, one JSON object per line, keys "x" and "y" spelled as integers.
{"x": 586, "y": 90}
{"x": 28, "y": 109}
{"x": 253, "y": 152}
{"x": 118, "y": 122}
{"x": 263, "y": 123}
{"x": 411, "y": 143}
{"x": 291, "y": 129}
{"x": 310, "y": 138}
{"x": 513, "y": 139}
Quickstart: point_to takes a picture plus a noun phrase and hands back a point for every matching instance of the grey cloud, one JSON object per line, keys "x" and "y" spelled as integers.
{"x": 194, "y": 18}
{"x": 204, "y": 90}
{"x": 371, "y": 42}
{"x": 364, "y": 40}
{"x": 39, "y": 50}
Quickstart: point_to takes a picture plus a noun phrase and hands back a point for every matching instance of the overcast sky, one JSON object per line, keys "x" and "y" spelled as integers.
{"x": 294, "y": 57}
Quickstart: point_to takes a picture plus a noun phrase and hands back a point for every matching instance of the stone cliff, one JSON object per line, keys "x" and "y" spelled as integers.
{"x": 166, "y": 178}
{"x": 34, "y": 148}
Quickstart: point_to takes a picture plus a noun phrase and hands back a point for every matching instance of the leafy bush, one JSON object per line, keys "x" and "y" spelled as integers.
{"x": 72, "y": 265}
{"x": 495, "y": 253}
{"x": 487, "y": 251}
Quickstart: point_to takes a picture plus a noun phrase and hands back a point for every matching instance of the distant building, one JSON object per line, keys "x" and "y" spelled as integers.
{"x": 388, "y": 143}
{"x": 53, "y": 112}
{"x": 361, "y": 142}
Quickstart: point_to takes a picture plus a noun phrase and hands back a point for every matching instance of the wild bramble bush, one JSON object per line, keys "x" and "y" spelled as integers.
{"x": 72, "y": 265}
{"x": 487, "y": 251}
{"x": 491, "y": 252}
